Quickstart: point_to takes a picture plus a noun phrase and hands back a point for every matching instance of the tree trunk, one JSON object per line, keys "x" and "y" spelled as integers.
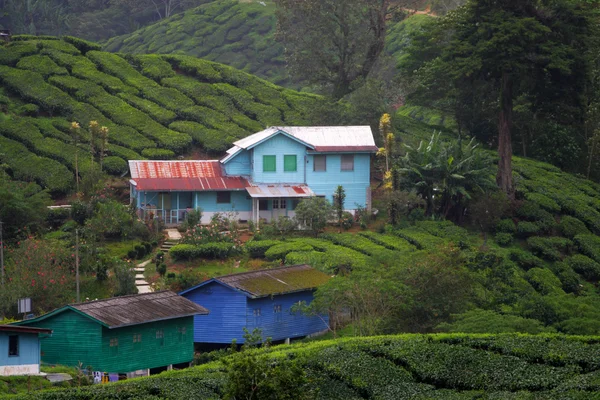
{"x": 504, "y": 177}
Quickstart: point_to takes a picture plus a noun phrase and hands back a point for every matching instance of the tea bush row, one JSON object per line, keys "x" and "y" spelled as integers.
{"x": 218, "y": 250}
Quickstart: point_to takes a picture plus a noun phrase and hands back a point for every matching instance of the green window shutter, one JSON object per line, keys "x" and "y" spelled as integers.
{"x": 269, "y": 164}
{"x": 289, "y": 163}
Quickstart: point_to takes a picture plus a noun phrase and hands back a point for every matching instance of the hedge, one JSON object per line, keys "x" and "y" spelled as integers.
{"x": 217, "y": 250}
{"x": 158, "y": 154}
{"x": 503, "y": 238}
{"x": 543, "y": 201}
{"x": 167, "y": 97}
{"x": 116, "y": 66}
{"x": 153, "y": 66}
{"x": 550, "y": 248}
{"x": 279, "y": 251}
{"x": 589, "y": 245}
{"x": 27, "y": 166}
{"x": 360, "y": 244}
{"x": 211, "y": 139}
{"x": 585, "y": 266}
{"x": 42, "y": 65}
{"x": 257, "y": 248}
{"x": 156, "y": 112}
{"x": 114, "y": 165}
{"x": 85, "y": 69}
{"x": 571, "y": 227}
{"x": 11, "y": 54}
{"x": 202, "y": 69}
{"x": 544, "y": 281}
{"x": 82, "y": 45}
{"x": 203, "y": 94}
{"x": 506, "y": 226}
{"x": 388, "y": 241}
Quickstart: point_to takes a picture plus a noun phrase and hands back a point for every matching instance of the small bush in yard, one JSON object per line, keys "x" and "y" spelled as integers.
{"x": 503, "y": 239}
{"x": 257, "y": 248}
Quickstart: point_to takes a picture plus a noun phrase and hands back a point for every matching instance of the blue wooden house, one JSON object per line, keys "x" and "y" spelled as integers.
{"x": 20, "y": 349}
{"x": 259, "y": 299}
{"x": 262, "y": 176}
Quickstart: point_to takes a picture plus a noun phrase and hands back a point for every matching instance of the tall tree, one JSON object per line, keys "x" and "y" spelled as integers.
{"x": 509, "y": 48}
{"x": 333, "y": 43}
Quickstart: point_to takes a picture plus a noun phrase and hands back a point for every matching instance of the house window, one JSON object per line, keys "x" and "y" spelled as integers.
{"x": 263, "y": 205}
{"x": 347, "y": 162}
{"x": 269, "y": 163}
{"x": 137, "y": 338}
{"x": 182, "y": 332}
{"x": 160, "y": 337}
{"x": 320, "y": 163}
{"x": 256, "y": 313}
{"x": 13, "y": 346}
{"x": 223, "y": 197}
{"x": 279, "y": 204}
{"x": 277, "y": 312}
{"x": 114, "y": 342}
{"x": 290, "y": 163}
{"x": 114, "y": 346}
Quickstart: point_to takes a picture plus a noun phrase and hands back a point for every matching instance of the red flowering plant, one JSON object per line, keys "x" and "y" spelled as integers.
{"x": 222, "y": 228}
{"x": 42, "y": 270}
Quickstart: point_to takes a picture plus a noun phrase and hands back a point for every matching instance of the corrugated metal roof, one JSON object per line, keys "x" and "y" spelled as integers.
{"x": 139, "y": 308}
{"x": 194, "y": 175}
{"x": 281, "y": 190}
{"x": 276, "y": 281}
{"x": 321, "y": 138}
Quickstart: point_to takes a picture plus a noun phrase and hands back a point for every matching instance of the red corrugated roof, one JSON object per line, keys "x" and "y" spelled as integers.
{"x": 193, "y": 175}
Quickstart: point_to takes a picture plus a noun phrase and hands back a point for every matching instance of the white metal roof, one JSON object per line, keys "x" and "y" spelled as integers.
{"x": 279, "y": 190}
{"x": 330, "y": 138}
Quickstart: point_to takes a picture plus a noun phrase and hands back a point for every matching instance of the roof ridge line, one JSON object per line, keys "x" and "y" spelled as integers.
{"x": 119, "y": 297}
{"x": 263, "y": 270}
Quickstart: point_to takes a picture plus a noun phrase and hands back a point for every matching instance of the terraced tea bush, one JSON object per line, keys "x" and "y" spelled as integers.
{"x": 279, "y": 251}
{"x": 503, "y": 239}
{"x": 156, "y": 112}
{"x": 158, "y": 154}
{"x": 218, "y": 250}
{"x": 544, "y": 202}
{"x": 420, "y": 239}
{"x": 114, "y": 165}
{"x": 82, "y": 45}
{"x": 506, "y": 226}
{"x": 544, "y": 281}
{"x": 550, "y": 248}
{"x": 589, "y": 245}
{"x": 360, "y": 244}
{"x": 585, "y": 266}
{"x": 42, "y": 65}
{"x": 257, "y": 248}
{"x": 525, "y": 259}
{"x": 571, "y": 227}
{"x": 388, "y": 241}
{"x": 153, "y": 66}
{"x": 526, "y": 228}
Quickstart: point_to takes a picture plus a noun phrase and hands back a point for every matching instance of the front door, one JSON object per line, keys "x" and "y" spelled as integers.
{"x": 279, "y": 208}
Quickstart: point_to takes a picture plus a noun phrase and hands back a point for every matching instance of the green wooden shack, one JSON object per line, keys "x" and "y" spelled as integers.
{"x": 135, "y": 335}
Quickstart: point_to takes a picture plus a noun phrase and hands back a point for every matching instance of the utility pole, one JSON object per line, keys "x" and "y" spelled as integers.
{"x": 1, "y": 253}
{"x": 77, "y": 261}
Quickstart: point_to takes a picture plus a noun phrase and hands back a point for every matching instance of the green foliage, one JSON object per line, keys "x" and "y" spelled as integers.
{"x": 42, "y": 65}
{"x": 216, "y": 250}
{"x": 279, "y": 251}
{"x": 585, "y": 266}
{"x": 125, "y": 276}
{"x": 589, "y": 245}
{"x": 314, "y": 213}
{"x": 158, "y": 154}
{"x": 114, "y": 165}
{"x": 544, "y": 281}
{"x": 506, "y": 226}
{"x": 503, "y": 239}
{"x": 571, "y": 227}
{"x": 550, "y": 248}
{"x": 488, "y": 321}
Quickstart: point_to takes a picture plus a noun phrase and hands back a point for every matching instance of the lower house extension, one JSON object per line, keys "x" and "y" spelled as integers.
{"x": 133, "y": 335}
{"x": 263, "y": 176}
{"x": 259, "y": 299}
{"x": 20, "y": 349}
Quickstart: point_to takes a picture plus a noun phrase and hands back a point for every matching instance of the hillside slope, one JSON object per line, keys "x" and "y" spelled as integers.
{"x": 148, "y": 102}
{"x": 239, "y": 34}
{"x": 398, "y": 367}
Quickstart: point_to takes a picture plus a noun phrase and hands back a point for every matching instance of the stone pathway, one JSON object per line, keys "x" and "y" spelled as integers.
{"x": 140, "y": 281}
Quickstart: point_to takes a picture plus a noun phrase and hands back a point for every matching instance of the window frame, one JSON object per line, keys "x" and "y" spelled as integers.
{"x": 222, "y": 193}
{"x": 320, "y": 157}
{"x": 285, "y": 164}
{"x": 274, "y": 162}
{"x": 277, "y": 311}
{"x": 342, "y": 163}
{"x": 13, "y": 348}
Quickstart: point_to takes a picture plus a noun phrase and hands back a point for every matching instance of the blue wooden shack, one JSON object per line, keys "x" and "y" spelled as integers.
{"x": 263, "y": 176}
{"x": 20, "y": 349}
{"x": 259, "y": 299}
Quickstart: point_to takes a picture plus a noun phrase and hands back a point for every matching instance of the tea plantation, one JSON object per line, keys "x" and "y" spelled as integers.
{"x": 398, "y": 367}
{"x": 154, "y": 106}
{"x": 239, "y": 34}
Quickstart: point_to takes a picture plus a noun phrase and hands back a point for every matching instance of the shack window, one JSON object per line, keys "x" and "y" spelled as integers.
{"x": 114, "y": 346}
{"x": 320, "y": 163}
{"x": 223, "y": 197}
{"x": 290, "y": 163}
{"x": 160, "y": 337}
{"x": 277, "y": 312}
{"x": 347, "y": 162}
{"x": 279, "y": 203}
{"x": 13, "y": 346}
{"x": 137, "y": 338}
{"x": 182, "y": 331}
{"x": 256, "y": 313}
{"x": 269, "y": 163}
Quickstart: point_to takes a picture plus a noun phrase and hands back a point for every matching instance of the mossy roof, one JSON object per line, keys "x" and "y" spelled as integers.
{"x": 274, "y": 281}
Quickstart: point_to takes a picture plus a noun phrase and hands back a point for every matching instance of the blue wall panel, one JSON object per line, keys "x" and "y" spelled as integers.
{"x": 239, "y": 202}
{"x": 29, "y": 349}
{"x": 283, "y": 324}
{"x": 279, "y": 146}
{"x": 239, "y": 165}
{"x": 227, "y": 314}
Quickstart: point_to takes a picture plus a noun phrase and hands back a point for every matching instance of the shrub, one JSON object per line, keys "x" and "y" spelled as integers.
{"x": 544, "y": 281}
{"x": 156, "y": 112}
{"x": 82, "y": 45}
{"x": 530, "y": 211}
{"x": 504, "y": 239}
{"x": 154, "y": 67}
{"x": 279, "y": 251}
{"x": 525, "y": 259}
{"x": 42, "y": 65}
{"x": 526, "y": 228}
{"x": 585, "y": 266}
{"x": 571, "y": 227}
{"x": 213, "y": 250}
{"x": 140, "y": 251}
{"x": 589, "y": 245}
{"x": 161, "y": 269}
{"x": 132, "y": 254}
{"x": 158, "y": 154}
{"x": 571, "y": 281}
{"x": 506, "y": 226}
{"x": 257, "y": 248}
{"x": 543, "y": 201}
{"x": 115, "y": 165}
{"x": 549, "y": 248}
